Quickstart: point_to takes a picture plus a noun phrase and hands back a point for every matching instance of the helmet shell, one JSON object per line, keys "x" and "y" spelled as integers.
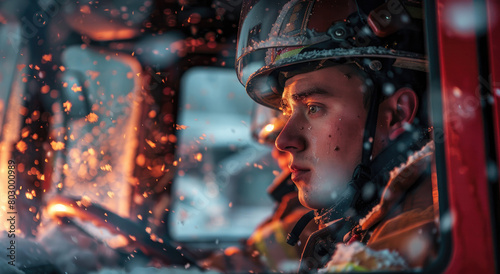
{"x": 278, "y": 35}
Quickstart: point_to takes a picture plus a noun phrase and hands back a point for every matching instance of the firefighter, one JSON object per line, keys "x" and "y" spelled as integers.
{"x": 350, "y": 76}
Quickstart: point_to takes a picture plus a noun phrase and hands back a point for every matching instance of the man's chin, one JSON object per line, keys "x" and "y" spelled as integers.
{"x": 315, "y": 201}
{"x": 306, "y": 201}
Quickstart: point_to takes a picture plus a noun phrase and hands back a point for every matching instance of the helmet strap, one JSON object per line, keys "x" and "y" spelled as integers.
{"x": 362, "y": 171}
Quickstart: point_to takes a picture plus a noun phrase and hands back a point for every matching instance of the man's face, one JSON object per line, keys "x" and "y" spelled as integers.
{"x": 324, "y": 132}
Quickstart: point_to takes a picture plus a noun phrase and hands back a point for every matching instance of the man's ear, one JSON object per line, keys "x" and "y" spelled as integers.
{"x": 403, "y": 104}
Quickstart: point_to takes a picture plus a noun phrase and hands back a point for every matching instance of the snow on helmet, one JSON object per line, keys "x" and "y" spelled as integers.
{"x": 276, "y": 35}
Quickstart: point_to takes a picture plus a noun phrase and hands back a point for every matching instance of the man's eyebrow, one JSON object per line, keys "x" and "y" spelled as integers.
{"x": 284, "y": 103}
{"x": 307, "y": 93}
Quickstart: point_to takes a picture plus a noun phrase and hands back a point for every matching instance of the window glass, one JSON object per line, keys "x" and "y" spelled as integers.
{"x": 217, "y": 192}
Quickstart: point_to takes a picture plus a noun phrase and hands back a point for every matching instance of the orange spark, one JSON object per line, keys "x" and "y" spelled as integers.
{"x": 21, "y": 146}
{"x": 67, "y": 106}
{"x": 92, "y": 117}
{"x": 57, "y": 145}
{"x": 150, "y": 143}
{"x": 107, "y": 167}
{"x": 198, "y": 156}
{"x": 85, "y": 9}
{"x": 93, "y": 74}
{"x": 25, "y": 132}
{"x": 45, "y": 89}
{"x": 76, "y": 88}
{"x": 140, "y": 160}
{"x": 46, "y": 58}
{"x": 179, "y": 127}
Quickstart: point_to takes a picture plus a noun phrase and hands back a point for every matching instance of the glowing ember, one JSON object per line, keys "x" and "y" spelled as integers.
{"x": 25, "y": 132}
{"x": 85, "y": 9}
{"x": 45, "y": 89}
{"x": 106, "y": 167}
{"x": 47, "y": 58}
{"x": 150, "y": 143}
{"x": 21, "y": 146}
{"x": 198, "y": 156}
{"x": 92, "y": 117}
{"x": 67, "y": 106}
{"x": 57, "y": 145}
{"x": 76, "y": 88}
{"x": 29, "y": 196}
{"x": 179, "y": 127}
{"x": 140, "y": 160}
{"x": 93, "y": 74}
{"x": 152, "y": 114}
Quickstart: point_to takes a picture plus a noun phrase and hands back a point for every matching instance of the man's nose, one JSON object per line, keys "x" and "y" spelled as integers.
{"x": 291, "y": 138}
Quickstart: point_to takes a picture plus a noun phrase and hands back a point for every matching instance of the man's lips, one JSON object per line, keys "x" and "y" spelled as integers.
{"x": 298, "y": 172}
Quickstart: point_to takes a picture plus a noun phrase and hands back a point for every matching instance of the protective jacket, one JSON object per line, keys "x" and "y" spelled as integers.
{"x": 266, "y": 249}
{"x": 269, "y": 239}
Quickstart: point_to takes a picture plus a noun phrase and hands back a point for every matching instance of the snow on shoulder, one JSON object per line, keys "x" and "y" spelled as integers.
{"x": 359, "y": 257}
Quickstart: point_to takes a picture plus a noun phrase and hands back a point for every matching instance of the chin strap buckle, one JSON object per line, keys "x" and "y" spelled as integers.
{"x": 361, "y": 175}
{"x": 293, "y": 237}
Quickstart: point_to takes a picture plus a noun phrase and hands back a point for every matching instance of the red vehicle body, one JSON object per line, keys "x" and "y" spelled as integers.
{"x": 465, "y": 71}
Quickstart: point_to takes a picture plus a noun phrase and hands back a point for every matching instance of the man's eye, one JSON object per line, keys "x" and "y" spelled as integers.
{"x": 313, "y": 109}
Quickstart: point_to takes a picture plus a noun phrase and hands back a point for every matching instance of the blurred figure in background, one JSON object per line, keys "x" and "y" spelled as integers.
{"x": 266, "y": 249}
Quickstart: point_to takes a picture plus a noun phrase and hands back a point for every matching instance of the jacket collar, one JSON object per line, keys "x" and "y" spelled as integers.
{"x": 355, "y": 202}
